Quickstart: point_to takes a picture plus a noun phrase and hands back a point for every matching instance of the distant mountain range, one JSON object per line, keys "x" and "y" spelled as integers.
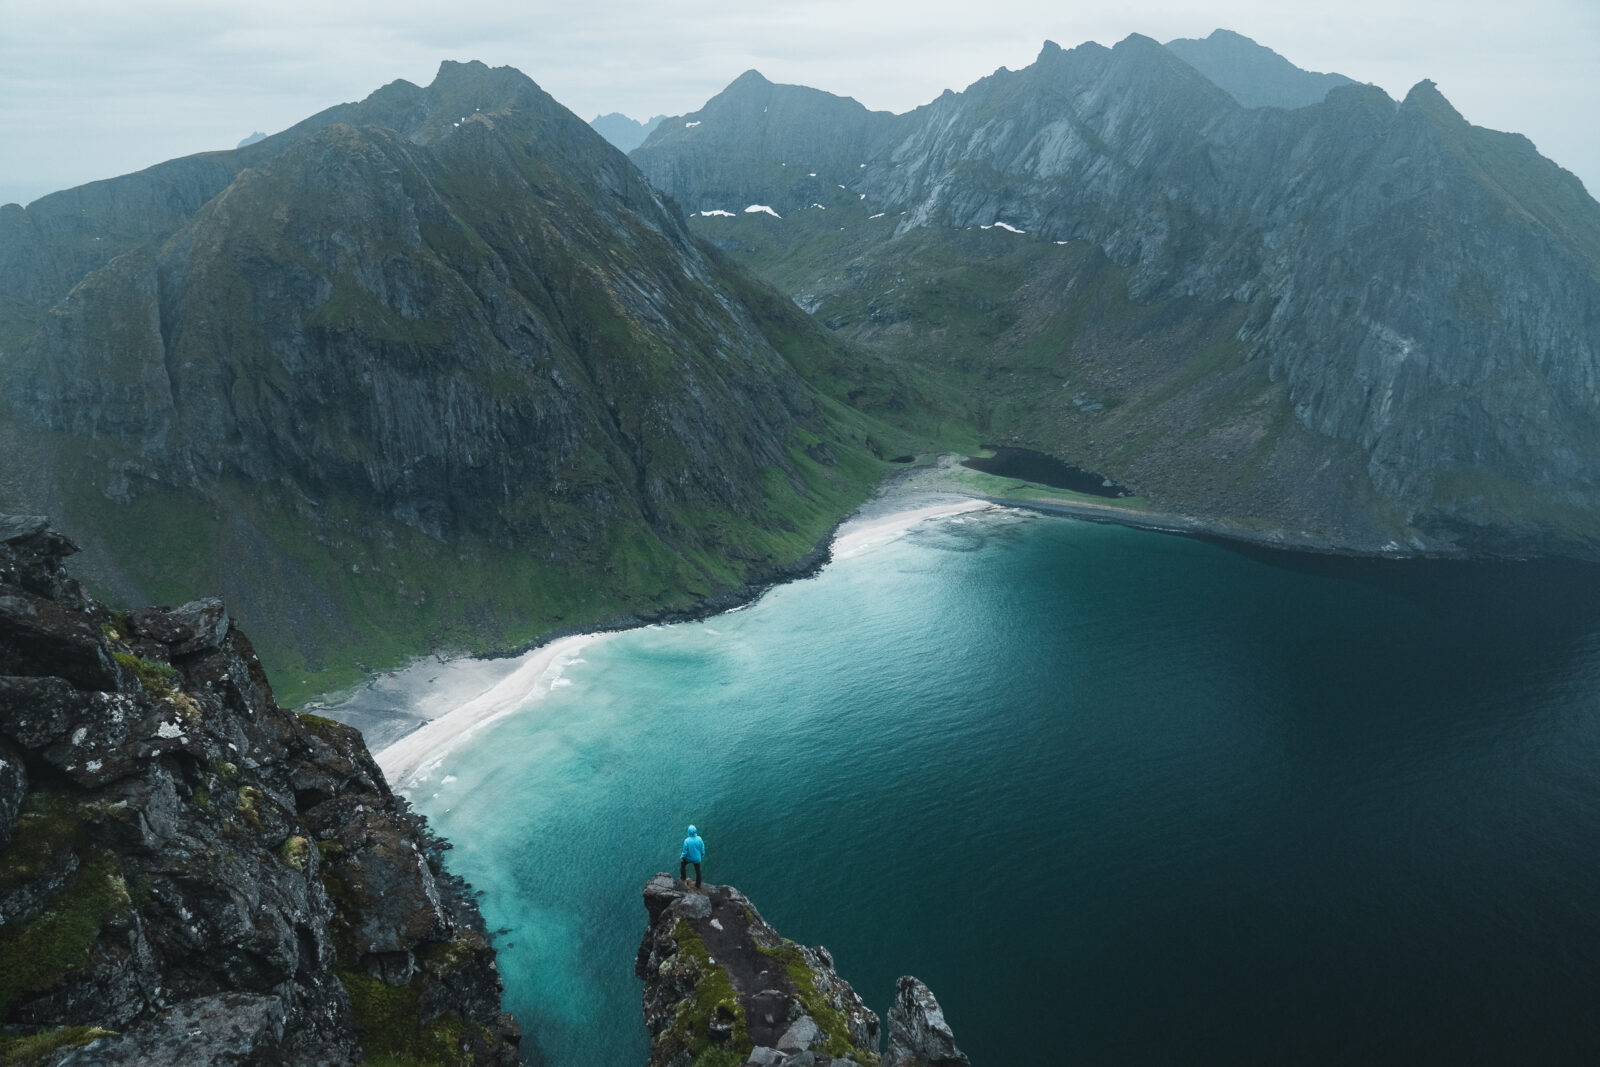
{"x": 1356, "y": 317}
{"x": 624, "y": 133}
{"x": 434, "y": 368}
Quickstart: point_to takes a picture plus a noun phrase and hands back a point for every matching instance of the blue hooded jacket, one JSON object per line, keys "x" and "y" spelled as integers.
{"x": 694, "y": 847}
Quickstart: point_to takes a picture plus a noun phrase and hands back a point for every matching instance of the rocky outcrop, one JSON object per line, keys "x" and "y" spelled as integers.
{"x": 722, "y": 986}
{"x": 1369, "y": 294}
{"x": 191, "y": 874}
{"x": 918, "y": 1033}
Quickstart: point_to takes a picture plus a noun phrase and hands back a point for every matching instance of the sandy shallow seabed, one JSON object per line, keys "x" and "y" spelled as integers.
{"x": 404, "y": 761}
{"x": 537, "y": 672}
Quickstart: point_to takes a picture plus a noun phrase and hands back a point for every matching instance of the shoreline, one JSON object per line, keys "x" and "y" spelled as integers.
{"x": 407, "y": 755}
{"x": 905, "y": 500}
{"x": 403, "y": 759}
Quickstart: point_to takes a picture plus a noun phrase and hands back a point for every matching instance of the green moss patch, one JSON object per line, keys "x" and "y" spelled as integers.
{"x": 58, "y": 942}
{"x": 36, "y": 1049}
{"x": 713, "y": 998}
{"x": 158, "y": 679}
{"x": 392, "y": 1031}
{"x": 295, "y": 852}
{"x": 830, "y": 1019}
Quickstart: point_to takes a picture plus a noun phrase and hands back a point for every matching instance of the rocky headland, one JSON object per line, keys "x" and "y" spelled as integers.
{"x": 190, "y": 874}
{"x": 722, "y": 988}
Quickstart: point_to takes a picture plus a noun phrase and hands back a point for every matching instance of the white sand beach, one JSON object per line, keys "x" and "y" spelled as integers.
{"x": 405, "y": 760}
{"x": 864, "y": 534}
{"x": 533, "y": 678}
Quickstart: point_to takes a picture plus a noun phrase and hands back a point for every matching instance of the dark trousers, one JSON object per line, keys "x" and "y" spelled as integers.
{"x": 683, "y": 872}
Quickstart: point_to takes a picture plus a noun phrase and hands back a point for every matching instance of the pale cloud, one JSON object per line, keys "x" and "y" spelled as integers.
{"x": 90, "y": 89}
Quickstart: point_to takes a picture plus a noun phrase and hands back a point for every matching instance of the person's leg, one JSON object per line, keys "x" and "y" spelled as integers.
{"x": 683, "y": 870}
{"x": 697, "y": 876}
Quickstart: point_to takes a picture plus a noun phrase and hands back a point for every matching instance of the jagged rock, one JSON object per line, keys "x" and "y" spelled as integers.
{"x": 918, "y": 1033}
{"x": 13, "y": 787}
{"x": 242, "y": 885}
{"x": 195, "y": 627}
{"x": 229, "y": 1028}
{"x": 717, "y": 976}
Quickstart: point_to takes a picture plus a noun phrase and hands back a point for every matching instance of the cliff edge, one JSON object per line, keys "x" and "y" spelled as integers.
{"x": 723, "y": 989}
{"x": 191, "y": 874}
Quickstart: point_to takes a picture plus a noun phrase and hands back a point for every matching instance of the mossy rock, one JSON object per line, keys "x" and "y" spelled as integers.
{"x": 34, "y": 1050}
{"x": 392, "y": 1031}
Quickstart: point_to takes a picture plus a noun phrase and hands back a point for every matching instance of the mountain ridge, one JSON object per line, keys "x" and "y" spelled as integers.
{"x": 457, "y": 337}
{"x": 1350, "y": 236}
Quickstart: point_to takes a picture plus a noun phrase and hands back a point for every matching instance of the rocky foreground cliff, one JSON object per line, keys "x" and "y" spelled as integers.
{"x": 723, "y": 989}
{"x": 190, "y": 874}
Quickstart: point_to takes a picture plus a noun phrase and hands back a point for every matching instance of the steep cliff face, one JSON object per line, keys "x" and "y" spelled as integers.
{"x": 1419, "y": 295}
{"x": 190, "y": 874}
{"x": 444, "y": 339}
{"x": 721, "y": 986}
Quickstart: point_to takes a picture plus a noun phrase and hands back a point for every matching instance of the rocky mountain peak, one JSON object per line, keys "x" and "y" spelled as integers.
{"x": 1253, "y": 74}
{"x": 1426, "y": 97}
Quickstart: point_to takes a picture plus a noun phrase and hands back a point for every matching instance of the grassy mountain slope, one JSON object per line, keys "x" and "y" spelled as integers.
{"x": 446, "y": 375}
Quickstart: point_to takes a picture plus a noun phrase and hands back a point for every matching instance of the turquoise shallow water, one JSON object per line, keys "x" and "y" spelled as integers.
{"x": 1117, "y": 797}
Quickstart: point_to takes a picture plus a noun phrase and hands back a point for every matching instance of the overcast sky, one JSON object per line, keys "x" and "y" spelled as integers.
{"x": 94, "y": 88}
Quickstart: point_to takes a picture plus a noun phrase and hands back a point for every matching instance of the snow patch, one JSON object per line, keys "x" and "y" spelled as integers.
{"x": 819, "y": 206}
{"x": 762, "y": 207}
{"x": 691, "y": 125}
{"x": 879, "y": 215}
{"x": 715, "y": 211}
{"x": 1002, "y": 226}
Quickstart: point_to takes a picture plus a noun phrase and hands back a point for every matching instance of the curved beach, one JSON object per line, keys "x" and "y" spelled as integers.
{"x": 534, "y": 677}
{"x": 404, "y": 761}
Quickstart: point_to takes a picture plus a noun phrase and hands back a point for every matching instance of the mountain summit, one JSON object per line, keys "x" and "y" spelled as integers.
{"x": 1366, "y": 319}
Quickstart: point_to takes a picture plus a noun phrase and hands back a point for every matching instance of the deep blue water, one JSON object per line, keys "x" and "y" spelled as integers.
{"x": 1118, "y": 797}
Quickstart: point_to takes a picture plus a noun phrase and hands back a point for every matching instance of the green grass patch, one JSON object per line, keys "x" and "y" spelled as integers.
{"x": 34, "y": 1050}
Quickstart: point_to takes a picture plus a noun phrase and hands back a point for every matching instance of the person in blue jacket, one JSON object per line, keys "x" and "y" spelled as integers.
{"x": 694, "y": 850}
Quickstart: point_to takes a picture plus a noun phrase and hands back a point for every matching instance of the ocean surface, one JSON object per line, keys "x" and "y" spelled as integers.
{"x": 1118, "y": 797}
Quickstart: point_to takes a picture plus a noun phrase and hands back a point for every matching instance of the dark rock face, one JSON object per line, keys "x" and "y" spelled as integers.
{"x": 719, "y": 979}
{"x": 918, "y": 1033}
{"x": 191, "y": 874}
{"x": 1425, "y": 294}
